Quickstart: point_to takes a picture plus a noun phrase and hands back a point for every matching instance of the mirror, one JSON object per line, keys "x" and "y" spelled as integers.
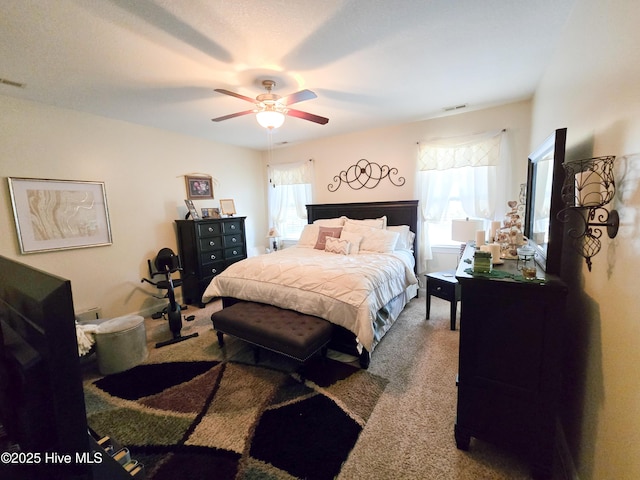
{"x": 544, "y": 184}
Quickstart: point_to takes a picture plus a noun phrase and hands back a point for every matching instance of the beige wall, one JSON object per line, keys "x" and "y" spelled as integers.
{"x": 143, "y": 172}
{"x": 397, "y": 147}
{"x": 593, "y": 88}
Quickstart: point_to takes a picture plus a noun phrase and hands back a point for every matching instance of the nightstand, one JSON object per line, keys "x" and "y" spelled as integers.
{"x": 444, "y": 285}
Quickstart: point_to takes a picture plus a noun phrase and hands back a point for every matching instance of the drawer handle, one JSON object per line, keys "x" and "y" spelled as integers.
{"x": 213, "y": 257}
{"x": 213, "y": 270}
{"x": 212, "y": 243}
{"x": 235, "y": 252}
{"x": 438, "y": 288}
{"x": 234, "y": 239}
{"x": 233, "y": 227}
{"x": 211, "y": 229}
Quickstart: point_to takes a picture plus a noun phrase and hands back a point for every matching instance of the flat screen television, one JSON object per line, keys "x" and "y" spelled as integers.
{"x": 545, "y": 176}
{"x": 42, "y": 404}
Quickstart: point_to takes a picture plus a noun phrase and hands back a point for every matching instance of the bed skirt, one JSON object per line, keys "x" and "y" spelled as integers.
{"x": 344, "y": 341}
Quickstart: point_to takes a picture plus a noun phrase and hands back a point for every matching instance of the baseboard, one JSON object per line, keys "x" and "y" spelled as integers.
{"x": 567, "y": 468}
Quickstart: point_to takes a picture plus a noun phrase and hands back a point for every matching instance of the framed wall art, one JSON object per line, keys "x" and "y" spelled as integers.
{"x": 199, "y": 187}
{"x": 59, "y": 214}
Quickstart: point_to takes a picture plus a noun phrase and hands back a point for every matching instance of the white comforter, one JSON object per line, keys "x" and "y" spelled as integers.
{"x": 347, "y": 290}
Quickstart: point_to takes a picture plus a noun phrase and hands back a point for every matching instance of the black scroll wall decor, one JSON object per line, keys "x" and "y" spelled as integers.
{"x": 365, "y": 174}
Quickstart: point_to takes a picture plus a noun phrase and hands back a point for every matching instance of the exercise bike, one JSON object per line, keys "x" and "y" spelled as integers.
{"x": 166, "y": 263}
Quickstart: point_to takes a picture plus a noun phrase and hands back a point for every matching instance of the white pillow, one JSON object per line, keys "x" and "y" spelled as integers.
{"x": 369, "y": 222}
{"x": 330, "y": 222}
{"x": 373, "y": 239}
{"x": 405, "y": 239}
{"x": 337, "y": 245}
{"x": 309, "y": 236}
{"x": 354, "y": 239}
{"x": 359, "y": 228}
{"x": 382, "y": 241}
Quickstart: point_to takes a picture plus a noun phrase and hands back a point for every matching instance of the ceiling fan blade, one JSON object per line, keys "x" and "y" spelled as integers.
{"x": 300, "y": 96}
{"x": 233, "y": 115}
{"x": 237, "y": 95}
{"x": 307, "y": 116}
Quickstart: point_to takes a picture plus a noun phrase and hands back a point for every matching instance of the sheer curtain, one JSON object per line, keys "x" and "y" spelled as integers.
{"x": 289, "y": 193}
{"x": 477, "y": 165}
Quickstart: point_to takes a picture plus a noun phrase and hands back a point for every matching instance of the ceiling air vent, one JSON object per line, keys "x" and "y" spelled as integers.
{"x": 11, "y": 83}
{"x": 456, "y": 107}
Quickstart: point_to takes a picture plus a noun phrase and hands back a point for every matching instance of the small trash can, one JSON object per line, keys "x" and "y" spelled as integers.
{"x": 121, "y": 343}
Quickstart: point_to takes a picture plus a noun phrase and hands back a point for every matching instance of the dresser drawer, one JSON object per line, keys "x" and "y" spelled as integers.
{"x": 210, "y": 257}
{"x": 234, "y": 253}
{"x": 212, "y": 269}
{"x": 208, "y": 229}
{"x": 232, "y": 240}
{"x": 210, "y": 243}
{"x": 232, "y": 226}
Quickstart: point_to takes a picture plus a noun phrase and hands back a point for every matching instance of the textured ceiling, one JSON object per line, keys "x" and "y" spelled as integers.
{"x": 372, "y": 63}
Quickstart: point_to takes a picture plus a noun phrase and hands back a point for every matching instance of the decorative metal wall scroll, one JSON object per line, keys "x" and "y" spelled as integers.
{"x": 365, "y": 174}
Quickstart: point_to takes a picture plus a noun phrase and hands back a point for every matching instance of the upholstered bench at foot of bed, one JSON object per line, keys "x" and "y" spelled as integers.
{"x": 283, "y": 331}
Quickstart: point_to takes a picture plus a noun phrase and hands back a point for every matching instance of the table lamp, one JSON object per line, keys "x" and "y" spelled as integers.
{"x": 273, "y": 234}
{"x": 465, "y": 230}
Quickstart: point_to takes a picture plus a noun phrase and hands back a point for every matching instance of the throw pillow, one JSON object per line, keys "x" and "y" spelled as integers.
{"x": 325, "y": 232}
{"x": 337, "y": 245}
{"x": 309, "y": 236}
{"x": 354, "y": 239}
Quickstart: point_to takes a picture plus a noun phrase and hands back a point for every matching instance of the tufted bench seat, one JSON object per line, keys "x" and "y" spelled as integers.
{"x": 283, "y": 331}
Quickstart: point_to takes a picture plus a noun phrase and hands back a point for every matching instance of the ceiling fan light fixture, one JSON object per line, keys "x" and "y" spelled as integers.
{"x": 271, "y": 108}
{"x": 270, "y": 119}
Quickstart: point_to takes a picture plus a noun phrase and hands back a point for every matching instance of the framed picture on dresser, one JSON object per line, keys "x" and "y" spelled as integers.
{"x": 228, "y": 207}
{"x": 192, "y": 210}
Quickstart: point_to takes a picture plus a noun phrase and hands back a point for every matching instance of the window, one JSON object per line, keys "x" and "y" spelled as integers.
{"x": 440, "y": 231}
{"x": 457, "y": 178}
{"x": 290, "y": 215}
{"x": 289, "y": 193}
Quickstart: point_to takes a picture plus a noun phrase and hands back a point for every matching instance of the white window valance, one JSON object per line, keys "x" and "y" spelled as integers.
{"x": 481, "y": 150}
{"x": 296, "y": 173}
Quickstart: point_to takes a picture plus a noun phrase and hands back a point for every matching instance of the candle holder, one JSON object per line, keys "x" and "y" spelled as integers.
{"x": 482, "y": 262}
{"x": 589, "y": 185}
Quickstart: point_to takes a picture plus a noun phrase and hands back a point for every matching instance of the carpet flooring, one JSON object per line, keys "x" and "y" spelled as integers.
{"x": 404, "y": 429}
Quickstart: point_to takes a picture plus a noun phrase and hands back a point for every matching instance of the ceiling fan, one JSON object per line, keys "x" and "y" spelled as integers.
{"x": 271, "y": 108}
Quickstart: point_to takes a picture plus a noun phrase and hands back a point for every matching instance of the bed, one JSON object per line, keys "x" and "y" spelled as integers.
{"x": 361, "y": 293}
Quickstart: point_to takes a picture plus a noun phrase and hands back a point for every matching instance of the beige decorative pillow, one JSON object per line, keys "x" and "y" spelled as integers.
{"x": 337, "y": 245}
{"x": 309, "y": 236}
{"x": 330, "y": 222}
{"x": 354, "y": 239}
{"x": 381, "y": 241}
{"x": 373, "y": 239}
{"x": 325, "y": 232}
{"x": 369, "y": 222}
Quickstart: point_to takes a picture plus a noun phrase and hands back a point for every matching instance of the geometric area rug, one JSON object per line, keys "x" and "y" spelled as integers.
{"x": 230, "y": 420}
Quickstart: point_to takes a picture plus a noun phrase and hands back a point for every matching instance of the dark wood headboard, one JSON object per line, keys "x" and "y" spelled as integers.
{"x": 402, "y": 212}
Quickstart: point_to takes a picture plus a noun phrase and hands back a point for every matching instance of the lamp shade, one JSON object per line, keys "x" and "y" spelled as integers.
{"x": 273, "y": 233}
{"x": 465, "y": 230}
{"x": 270, "y": 119}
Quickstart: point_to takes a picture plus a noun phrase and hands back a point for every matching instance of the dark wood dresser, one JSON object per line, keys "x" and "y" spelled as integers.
{"x": 509, "y": 371}
{"x": 207, "y": 247}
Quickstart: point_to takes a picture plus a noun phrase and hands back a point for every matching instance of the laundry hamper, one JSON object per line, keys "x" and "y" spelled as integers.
{"x": 121, "y": 343}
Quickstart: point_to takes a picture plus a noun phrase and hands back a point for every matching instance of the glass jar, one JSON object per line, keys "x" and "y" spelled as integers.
{"x": 526, "y": 263}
